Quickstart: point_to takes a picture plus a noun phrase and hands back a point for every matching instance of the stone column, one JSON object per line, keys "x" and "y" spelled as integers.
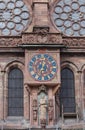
{"x": 33, "y": 107}
{"x": 79, "y": 105}
{"x": 1, "y": 95}
{"x": 26, "y": 102}
{"x": 51, "y": 106}
{"x": 83, "y": 95}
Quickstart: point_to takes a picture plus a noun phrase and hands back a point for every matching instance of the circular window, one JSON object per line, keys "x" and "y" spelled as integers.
{"x": 69, "y": 17}
{"x": 14, "y": 17}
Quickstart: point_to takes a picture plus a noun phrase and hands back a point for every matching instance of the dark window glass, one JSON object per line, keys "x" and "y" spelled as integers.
{"x": 15, "y": 92}
{"x": 67, "y": 91}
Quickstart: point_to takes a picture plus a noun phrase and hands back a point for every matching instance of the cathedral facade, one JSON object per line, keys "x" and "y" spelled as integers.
{"x": 42, "y": 64}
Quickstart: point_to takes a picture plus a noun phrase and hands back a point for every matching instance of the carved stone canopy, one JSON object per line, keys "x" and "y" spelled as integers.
{"x": 42, "y": 88}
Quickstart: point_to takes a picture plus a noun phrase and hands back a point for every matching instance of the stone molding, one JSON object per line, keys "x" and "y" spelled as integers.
{"x": 74, "y": 42}
{"x": 42, "y": 37}
{"x": 10, "y": 41}
{"x": 40, "y": 2}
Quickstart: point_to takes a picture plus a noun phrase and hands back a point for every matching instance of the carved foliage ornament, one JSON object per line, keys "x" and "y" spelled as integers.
{"x": 39, "y": 38}
{"x": 10, "y": 42}
{"x": 53, "y": 38}
{"x": 74, "y": 42}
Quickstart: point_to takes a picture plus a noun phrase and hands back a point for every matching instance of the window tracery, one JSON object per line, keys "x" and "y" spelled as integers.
{"x": 69, "y": 17}
{"x": 14, "y": 17}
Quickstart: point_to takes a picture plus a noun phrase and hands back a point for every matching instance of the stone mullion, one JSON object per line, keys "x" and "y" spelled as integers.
{"x": 80, "y": 102}
{"x": 5, "y": 95}
{"x": 1, "y": 97}
{"x": 3, "y": 105}
{"x": 76, "y": 84}
{"x": 83, "y": 95}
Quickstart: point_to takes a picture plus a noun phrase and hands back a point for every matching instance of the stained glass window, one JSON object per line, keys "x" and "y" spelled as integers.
{"x": 14, "y": 17}
{"x": 15, "y": 92}
{"x": 69, "y": 17}
{"x": 67, "y": 91}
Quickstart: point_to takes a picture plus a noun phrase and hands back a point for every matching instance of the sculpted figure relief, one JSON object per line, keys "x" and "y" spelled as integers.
{"x": 43, "y": 109}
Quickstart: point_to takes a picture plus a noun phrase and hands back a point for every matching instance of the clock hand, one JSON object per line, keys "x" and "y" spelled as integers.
{"x": 43, "y": 66}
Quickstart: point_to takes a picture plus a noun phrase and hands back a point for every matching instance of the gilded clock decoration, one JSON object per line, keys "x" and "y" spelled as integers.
{"x": 42, "y": 67}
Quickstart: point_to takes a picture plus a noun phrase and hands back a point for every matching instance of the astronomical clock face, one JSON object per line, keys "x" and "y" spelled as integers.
{"x": 42, "y": 67}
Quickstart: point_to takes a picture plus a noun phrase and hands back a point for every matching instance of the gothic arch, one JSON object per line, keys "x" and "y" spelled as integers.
{"x": 14, "y": 64}
{"x": 67, "y": 91}
{"x": 8, "y": 67}
{"x": 82, "y": 70}
{"x": 69, "y": 65}
{"x": 75, "y": 70}
{"x": 82, "y": 67}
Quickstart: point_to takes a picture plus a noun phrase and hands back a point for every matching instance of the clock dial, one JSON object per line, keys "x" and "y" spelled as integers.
{"x": 42, "y": 67}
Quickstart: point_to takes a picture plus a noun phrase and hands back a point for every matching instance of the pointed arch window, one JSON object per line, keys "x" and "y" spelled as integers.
{"x": 67, "y": 92}
{"x": 15, "y": 92}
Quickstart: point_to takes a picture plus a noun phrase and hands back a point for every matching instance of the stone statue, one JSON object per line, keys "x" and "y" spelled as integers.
{"x": 43, "y": 110}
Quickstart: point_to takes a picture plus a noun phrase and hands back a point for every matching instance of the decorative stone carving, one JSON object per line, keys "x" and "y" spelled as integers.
{"x": 42, "y": 38}
{"x": 34, "y": 109}
{"x": 28, "y": 38}
{"x": 38, "y": 38}
{"x": 43, "y": 105}
{"x": 57, "y": 98}
{"x": 74, "y": 42}
{"x": 50, "y": 109}
{"x": 27, "y": 88}
{"x": 42, "y": 88}
{"x": 35, "y": 38}
{"x": 41, "y": 30}
{"x": 55, "y": 38}
{"x": 10, "y": 42}
{"x": 42, "y": 100}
